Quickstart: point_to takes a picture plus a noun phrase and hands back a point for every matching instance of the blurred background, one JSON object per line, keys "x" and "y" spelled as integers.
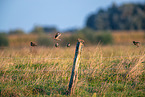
{"x": 107, "y": 22}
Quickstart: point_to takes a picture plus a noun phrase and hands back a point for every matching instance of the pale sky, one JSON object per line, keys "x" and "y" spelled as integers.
{"x": 63, "y": 14}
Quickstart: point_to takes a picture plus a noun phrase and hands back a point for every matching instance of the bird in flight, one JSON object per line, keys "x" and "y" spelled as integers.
{"x": 57, "y": 35}
{"x": 136, "y": 43}
{"x": 33, "y": 44}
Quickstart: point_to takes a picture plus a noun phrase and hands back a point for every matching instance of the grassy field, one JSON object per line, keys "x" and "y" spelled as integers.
{"x": 104, "y": 70}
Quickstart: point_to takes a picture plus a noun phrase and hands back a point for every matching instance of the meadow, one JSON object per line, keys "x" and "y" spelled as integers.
{"x": 116, "y": 70}
{"x": 42, "y": 71}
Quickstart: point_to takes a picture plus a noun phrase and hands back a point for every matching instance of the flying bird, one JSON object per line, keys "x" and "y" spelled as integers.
{"x": 33, "y": 44}
{"x": 57, "y": 35}
{"x": 136, "y": 43}
{"x": 56, "y": 45}
{"x": 68, "y": 45}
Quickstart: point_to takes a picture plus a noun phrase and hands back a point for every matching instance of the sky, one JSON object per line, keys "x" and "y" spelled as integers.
{"x": 62, "y": 14}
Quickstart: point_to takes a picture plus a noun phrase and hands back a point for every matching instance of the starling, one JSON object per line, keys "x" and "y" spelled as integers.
{"x": 68, "y": 45}
{"x": 136, "y": 43}
{"x": 33, "y": 44}
{"x": 80, "y": 40}
{"x": 56, "y": 45}
{"x": 57, "y": 35}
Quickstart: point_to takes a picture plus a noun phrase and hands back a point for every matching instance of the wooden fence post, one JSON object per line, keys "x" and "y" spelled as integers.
{"x": 74, "y": 75}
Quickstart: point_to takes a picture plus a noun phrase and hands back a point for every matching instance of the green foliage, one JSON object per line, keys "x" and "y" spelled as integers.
{"x": 44, "y": 41}
{"x": 49, "y": 29}
{"x": 124, "y": 17}
{"x": 41, "y": 30}
{"x": 37, "y": 30}
{"x": 92, "y": 37}
{"x": 104, "y": 38}
{"x": 88, "y": 35}
{"x": 3, "y": 40}
{"x": 71, "y": 39}
{"x": 18, "y": 32}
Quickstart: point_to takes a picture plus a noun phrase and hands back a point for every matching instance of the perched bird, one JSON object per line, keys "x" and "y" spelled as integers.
{"x": 136, "y": 43}
{"x": 68, "y": 45}
{"x": 80, "y": 40}
{"x": 33, "y": 44}
{"x": 57, "y": 35}
{"x": 56, "y": 45}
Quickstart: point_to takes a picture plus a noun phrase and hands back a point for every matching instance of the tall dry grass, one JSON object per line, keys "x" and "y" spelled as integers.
{"x": 105, "y": 70}
{"x": 126, "y": 37}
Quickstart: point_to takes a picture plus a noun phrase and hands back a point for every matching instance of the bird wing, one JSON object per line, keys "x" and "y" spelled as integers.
{"x": 33, "y": 44}
{"x": 57, "y": 35}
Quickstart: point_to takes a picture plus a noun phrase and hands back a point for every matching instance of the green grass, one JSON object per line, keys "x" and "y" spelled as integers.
{"x": 32, "y": 72}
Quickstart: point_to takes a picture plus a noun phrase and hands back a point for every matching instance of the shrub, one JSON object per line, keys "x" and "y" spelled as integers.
{"x": 37, "y": 30}
{"x": 3, "y": 40}
{"x": 71, "y": 39}
{"x": 104, "y": 38}
{"x": 44, "y": 41}
{"x": 16, "y": 32}
{"x": 88, "y": 35}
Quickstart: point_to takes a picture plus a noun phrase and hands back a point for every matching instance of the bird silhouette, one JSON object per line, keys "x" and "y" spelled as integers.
{"x": 56, "y": 45}
{"x": 33, "y": 44}
{"x": 136, "y": 43}
{"x": 80, "y": 40}
{"x": 57, "y": 35}
{"x": 68, "y": 45}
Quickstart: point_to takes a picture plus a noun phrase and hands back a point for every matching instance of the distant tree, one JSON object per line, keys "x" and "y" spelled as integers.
{"x": 49, "y": 29}
{"x": 37, "y": 30}
{"x": 91, "y": 22}
{"x": 44, "y": 41}
{"x": 17, "y": 31}
{"x": 72, "y": 30}
{"x": 3, "y": 40}
{"x": 124, "y": 17}
{"x": 104, "y": 38}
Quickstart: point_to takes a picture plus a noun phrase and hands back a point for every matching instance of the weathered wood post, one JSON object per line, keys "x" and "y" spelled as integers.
{"x": 74, "y": 75}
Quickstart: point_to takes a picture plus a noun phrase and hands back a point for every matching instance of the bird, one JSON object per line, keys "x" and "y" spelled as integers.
{"x": 33, "y": 44}
{"x": 57, "y": 35}
{"x": 56, "y": 45}
{"x": 136, "y": 43}
{"x": 68, "y": 45}
{"x": 80, "y": 40}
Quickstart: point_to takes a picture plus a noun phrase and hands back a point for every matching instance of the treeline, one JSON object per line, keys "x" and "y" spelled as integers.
{"x": 124, "y": 17}
{"x": 35, "y": 30}
{"x": 90, "y": 37}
